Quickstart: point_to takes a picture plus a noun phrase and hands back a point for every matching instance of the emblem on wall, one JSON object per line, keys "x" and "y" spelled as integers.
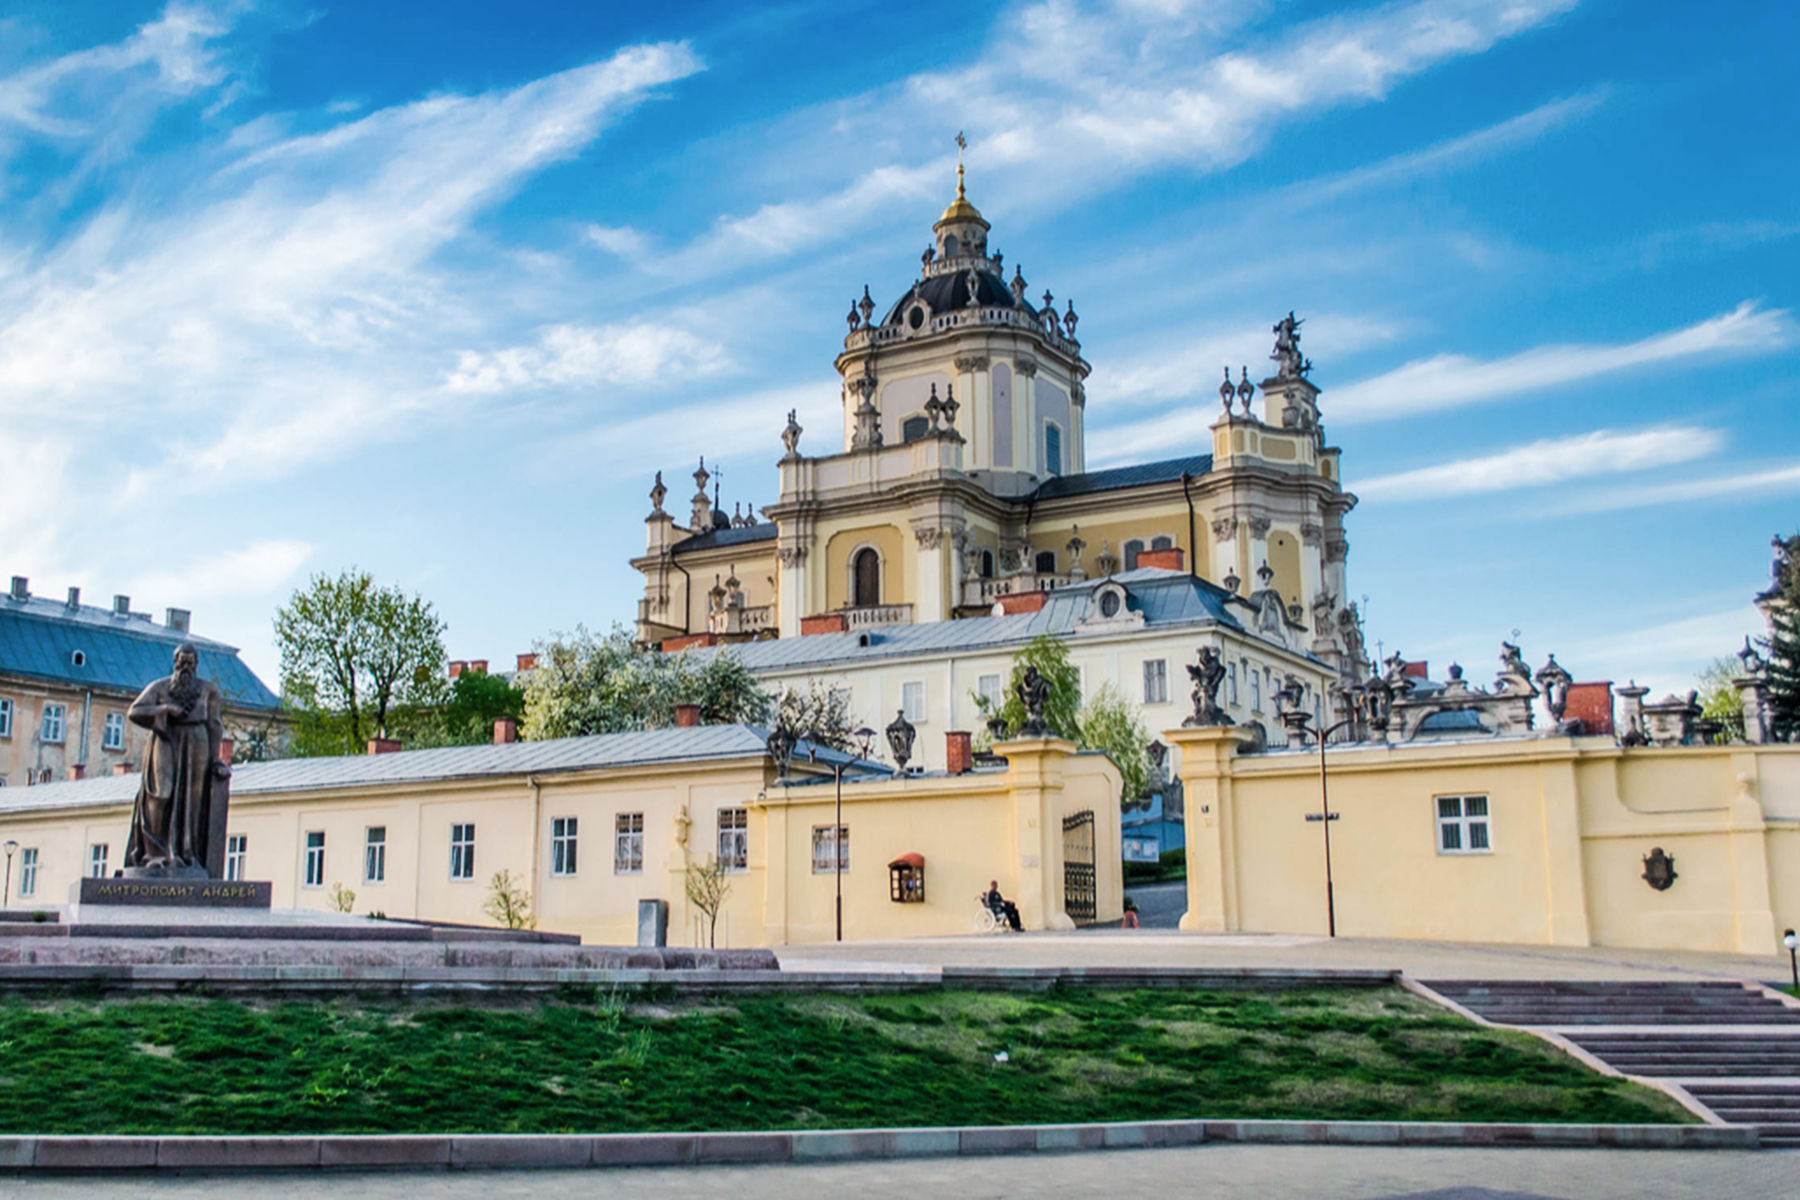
{"x": 1659, "y": 869}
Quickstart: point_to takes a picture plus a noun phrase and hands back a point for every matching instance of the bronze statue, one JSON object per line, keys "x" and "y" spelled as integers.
{"x": 1207, "y": 673}
{"x": 180, "y": 807}
{"x": 1034, "y": 693}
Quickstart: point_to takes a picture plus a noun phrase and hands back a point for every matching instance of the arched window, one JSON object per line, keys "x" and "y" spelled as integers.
{"x": 1133, "y": 548}
{"x": 1052, "y": 450}
{"x": 952, "y": 247}
{"x": 914, "y": 428}
{"x": 1162, "y": 542}
{"x": 1046, "y": 562}
{"x": 987, "y": 564}
{"x": 865, "y": 571}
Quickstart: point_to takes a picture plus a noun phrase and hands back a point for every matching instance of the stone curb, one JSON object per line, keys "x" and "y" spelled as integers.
{"x": 482, "y": 1151}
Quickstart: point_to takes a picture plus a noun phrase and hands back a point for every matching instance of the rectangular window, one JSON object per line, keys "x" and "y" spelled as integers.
{"x": 912, "y": 702}
{"x": 375, "y": 854}
{"x": 112, "y": 735}
{"x": 462, "y": 851}
{"x": 1462, "y": 823}
{"x": 56, "y": 722}
{"x": 1231, "y": 684}
{"x": 562, "y": 845}
{"x": 315, "y": 858}
{"x": 236, "y": 846}
{"x": 1255, "y": 690}
{"x": 5, "y": 717}
{"x": 822, "y": 843}
{"x": 1156, "y": 681}
{"x": 28, "y": 864}
{"x": 97, "y": 854}
{"x": 628, "y": 844}
{"x": 734, "y": 839}
{"x": 988, "y": 687}
{"x": 1053, "y": 464}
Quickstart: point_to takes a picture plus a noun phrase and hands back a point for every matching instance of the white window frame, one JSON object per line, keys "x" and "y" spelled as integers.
{"x": 1231, "y": 692}
{"x": 53, "y": 729}
{"x": 314, "y": 870}
{"x": 1464, "y": 827}
{"x": 912, "y": 701}
{"x": 1156, "y": 681}
{"x": 237, "y": 848}
{"x": 881, "y": 589}
{"x": 1255, "y": 689}
{"x": 112, "y": 732}
{"x": 822, "y": 841}
{"x": 628, "y": 843}
{"x": 462, "y": 851}
{"x": 98, "y": 853}
{"x": 734, "y": 839}
{"x": 1128, "y": 553}
{"x": 28, "y": 871}
{"x": 6, "y": 717}
{"x": 564, "y": 842}
{"x": 374, "y": 854}
{"x": 991, "y": 687}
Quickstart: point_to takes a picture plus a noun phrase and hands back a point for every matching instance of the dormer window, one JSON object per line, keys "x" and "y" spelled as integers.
{"x": 78, "y": 658}
{"x": 915, "y": 318}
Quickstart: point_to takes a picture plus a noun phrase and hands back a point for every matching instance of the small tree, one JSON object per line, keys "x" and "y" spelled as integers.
{"x": 342, "y": 898}
{"x": 821, "y": 714}
{"x": 1720, "y": 699}
{"x": 508, "y": 902}
{"x": 1109, "y": 722}
{"x": 707, "y": 884}
{"x": 1062, "y": 712}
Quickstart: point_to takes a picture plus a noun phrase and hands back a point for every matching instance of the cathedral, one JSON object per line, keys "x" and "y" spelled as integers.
{"x": 957, "y": 486}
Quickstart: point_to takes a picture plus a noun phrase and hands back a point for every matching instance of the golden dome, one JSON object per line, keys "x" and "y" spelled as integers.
{"x": 960, "y": 209}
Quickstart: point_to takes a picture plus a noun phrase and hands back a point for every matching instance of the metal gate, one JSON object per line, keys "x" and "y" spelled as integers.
{"x": 1078, "y": 868}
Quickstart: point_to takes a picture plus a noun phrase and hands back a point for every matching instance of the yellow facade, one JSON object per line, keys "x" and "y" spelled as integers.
{"x": 1570, "y": 824}
{"x": 990, "y": 824}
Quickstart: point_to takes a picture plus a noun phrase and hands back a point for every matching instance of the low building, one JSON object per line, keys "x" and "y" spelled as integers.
{"x": 592, "y": 826}
{"x": 69, "y": 671}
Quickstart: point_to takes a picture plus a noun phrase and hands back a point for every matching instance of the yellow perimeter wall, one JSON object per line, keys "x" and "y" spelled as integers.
{"x": 988, "y": 824}
{"x": 1570, "y": 820}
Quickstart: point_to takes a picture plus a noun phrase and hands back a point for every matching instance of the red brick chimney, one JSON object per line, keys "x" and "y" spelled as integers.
{"x": 959, "y": 751}
{"x": 121, "y": 768}
{"x": 384, "y": 745}
{"x": 227, "y": 748}
{"x": 478, "y": 665}
{"x": 78, "y": 771}
{"x": 457, "y": 667}
{"x": 1418, "y": 670}
{"x": 1020, "y": 602}
{"x": 687, "y": 716}
{"x": 1168, "y": 560}
{"x": 506, "y": 731}
{"x": 1592, "y": 705}
{"x": 527, "y": 662}
{"x": 824, "y": 623}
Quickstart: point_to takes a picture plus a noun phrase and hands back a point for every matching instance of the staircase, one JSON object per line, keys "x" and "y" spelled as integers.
{"x": 1733, "y": 1048}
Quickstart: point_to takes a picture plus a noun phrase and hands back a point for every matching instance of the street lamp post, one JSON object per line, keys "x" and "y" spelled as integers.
{"x": 781, "y": 747}
{"x": 1296, "y": 719}
{"x": 1789, "y": 939}
{"x": 12, "y": 848}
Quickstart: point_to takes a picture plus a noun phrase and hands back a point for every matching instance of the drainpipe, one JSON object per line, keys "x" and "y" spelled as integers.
{"x": 687, "y": 596}
{"x": 537, "y": 831}
{"x": 1193, "y": 550}
{"x": 87, "y": 715}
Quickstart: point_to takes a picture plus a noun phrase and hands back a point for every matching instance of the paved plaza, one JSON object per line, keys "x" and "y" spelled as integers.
{"x": 1169, "y": 948}
{"x": 1203, "y": 1173}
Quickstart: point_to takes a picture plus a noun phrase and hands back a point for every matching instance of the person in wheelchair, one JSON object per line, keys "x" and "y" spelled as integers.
{"x": 1002, "y": 908}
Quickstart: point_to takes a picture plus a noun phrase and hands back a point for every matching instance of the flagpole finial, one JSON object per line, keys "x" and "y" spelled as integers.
{"x": 962, "y": 144}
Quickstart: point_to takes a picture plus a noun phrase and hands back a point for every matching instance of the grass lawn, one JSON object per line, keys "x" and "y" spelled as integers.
{"x": 614, "y": 1063}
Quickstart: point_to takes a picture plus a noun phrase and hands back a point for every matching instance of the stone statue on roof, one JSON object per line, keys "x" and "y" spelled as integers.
{"x": 178, "y": 817}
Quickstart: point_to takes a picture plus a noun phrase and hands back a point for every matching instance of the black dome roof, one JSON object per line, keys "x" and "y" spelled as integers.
{"x": 950, "y": 291}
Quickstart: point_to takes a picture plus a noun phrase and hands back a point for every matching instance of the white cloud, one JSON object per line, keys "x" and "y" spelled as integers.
{"x": 1550, "y": 461}
{"x": 635, "y": 355}
{"x": 257, "y": 569}
{"x": 1666, "y": 656}
{"x": 1738, "y": 484}
{"x": 1453, "y": 380}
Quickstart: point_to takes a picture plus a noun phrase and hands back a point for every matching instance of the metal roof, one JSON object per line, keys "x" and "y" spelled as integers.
{"x": 700, "y": 743}
{"x": 762, "y": 531}
{"x": 40, "y": 638}
{"x": 1169, "y": 470}
{"x": 1172, "y": 599}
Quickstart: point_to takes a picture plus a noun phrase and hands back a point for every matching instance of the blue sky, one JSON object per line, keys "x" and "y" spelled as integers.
{"x": 433, "y": 290}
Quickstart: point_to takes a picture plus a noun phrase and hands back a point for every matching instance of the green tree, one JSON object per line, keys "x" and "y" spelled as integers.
{"x": 476, "y": 701}
{"x": 354, "y": 656}
{"x": 507, "y": 901}
{"x": 585, "y": 685}
{"x": 1062, "y": 712}
{"x": 707, "y": 884}
{"x": 821, "y": 713}
{"x": 1720, "y": 699}
{"x": 1782, "y": 604}
{"x": 1109, "y": 722}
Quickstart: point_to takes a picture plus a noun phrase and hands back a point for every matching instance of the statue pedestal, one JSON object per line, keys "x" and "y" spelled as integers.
{"x": 178, "y": 893}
